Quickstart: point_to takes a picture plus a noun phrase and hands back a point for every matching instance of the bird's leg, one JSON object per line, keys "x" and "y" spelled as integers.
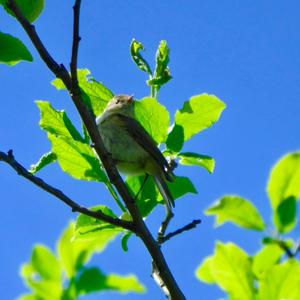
{"x": 142, "y": 186}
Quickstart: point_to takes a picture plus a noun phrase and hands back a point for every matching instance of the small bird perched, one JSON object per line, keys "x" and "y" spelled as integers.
{"x": 132, "y": 149}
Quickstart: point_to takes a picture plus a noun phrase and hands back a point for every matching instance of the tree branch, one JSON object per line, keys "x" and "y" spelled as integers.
{"x": 88, "y": 119}
{"x": 187, "y": 227}
{"x": 10, "y": 160}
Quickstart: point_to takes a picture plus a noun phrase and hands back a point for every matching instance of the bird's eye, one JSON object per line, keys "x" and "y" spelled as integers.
{"x": 118, "y": 101}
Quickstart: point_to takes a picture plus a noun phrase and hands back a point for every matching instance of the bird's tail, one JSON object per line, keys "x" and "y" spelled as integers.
{"x": 164, "y": 191}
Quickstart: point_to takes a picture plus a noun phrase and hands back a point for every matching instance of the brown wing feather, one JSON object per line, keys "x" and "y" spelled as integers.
{"x": 142, "y": 137}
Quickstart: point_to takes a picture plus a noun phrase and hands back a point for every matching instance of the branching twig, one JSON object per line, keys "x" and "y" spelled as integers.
{"x": 10, "y": 160}
{"x": 187, "y": 227}
{"x": 88, "y": 119}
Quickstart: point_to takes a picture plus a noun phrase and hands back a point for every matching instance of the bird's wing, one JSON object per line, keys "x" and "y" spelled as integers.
{"x": 142, "y": 137}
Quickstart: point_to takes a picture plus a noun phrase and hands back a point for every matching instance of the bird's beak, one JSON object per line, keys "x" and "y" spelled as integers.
{"x": 130, "y": 99}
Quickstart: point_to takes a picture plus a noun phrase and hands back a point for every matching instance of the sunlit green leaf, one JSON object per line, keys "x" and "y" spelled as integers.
{"x": 281, "y": 282}
{"x": 230, "y": 268}
{"x": 57, "y": 122}
{"x": 45, "y": 286}
{"x": 205, "y": 271}
{"x": 95, "y": 231}
{"x": 237, "y": 210}
{"x": 195, "y": 159}
{"x": 45, "y": 160}
{"x": 267, "y": 257}
{"x": 12, "y": 50}
{"x": 92, "y": 280}
{"x": 95, "y": 94}
{"x": 28, "y": 297}
{"x": 31, "y": 9}
{"x": 162, "y": 73}
{"x": 76, "y": 249}
{"x": 45, "y": 290}
{"x": 72, "y": 254}
{"x": 45, "y": 263}
{"x": 135, "y": 49}
{"x": 199, "y": 113}
{"x": 284, "y": 189}
{"x": 284, "y": 179}
{"x": 154, "y": 117}
{"x": 85, "y": 224}
{"x": 77, "y": 159}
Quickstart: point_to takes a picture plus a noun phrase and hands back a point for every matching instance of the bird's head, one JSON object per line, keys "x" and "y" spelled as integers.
{"x": 120, "y": 103}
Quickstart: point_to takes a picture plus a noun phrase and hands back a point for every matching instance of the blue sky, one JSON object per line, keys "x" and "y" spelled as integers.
{"x": 244, "y": 52}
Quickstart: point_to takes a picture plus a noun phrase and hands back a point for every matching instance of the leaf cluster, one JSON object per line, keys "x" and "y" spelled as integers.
{"x": 273, "y": 272}
{"x": 66, "y": 274}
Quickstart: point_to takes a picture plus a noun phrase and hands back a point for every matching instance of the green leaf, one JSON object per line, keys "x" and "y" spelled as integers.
{"x": 85, "y": 224}
{"x": 100, "y": 233}
{"x": 205, "y": 271}
{"x": 285, "y": 216}
{"x": 75, "y": 247}
{"x": 237, "y": 210}
{"x": 281, "y": 282}
{"x": 45, "y": 263}
{"x": 267, "y": 257}
{"x": 12, "y": 50}
{"x": 146, "y": 192}
{"x": 31, "y": 9}
{"x": 28, "y": 297}
{"x": 77, "y": 159}
{"x": 162, "y": 73}
{"x": 124, "y": 241}
{"x": 135, "y": 49}
{"x": 43, "y": 274}
{"x": 154, "y": 117}
{"x": 92, "y": 280}
{"x": 175, "y": 139}
{"x": 162, "y": 57}
{"x": 199, "y": 113}
{"x": 45, "y": 290}
{"x": 95, "y": 94}
{"x": 57, "y": 122}
{"x": 45, "y": 160}
{"x": 160, "y": 80}
{"x": 283, "y": 187}
{"x": 149, "y": 196}
{"x": 230, "y": 268}
{"x": 71, "y": 253}
{"x": 181, "y": 186}
{"x": 195, "y": 159}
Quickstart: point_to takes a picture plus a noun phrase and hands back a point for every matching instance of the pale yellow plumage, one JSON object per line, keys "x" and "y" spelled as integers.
{"x": 132, "y": 148}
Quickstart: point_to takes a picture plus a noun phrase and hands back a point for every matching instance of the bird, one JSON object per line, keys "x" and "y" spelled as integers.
{"x": 131, "y": 147}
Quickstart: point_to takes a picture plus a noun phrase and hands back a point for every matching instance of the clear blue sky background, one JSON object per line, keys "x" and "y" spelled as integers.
{"x": 245, "y": 52}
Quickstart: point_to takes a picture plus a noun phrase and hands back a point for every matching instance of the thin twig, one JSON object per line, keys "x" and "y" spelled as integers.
{"x": 283, "y": 245}
{"x": 187, "y": 227}
{"x": 75, "y": 44}
{"x": 10, "y": 160}
{"x": 163, "y": 227}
